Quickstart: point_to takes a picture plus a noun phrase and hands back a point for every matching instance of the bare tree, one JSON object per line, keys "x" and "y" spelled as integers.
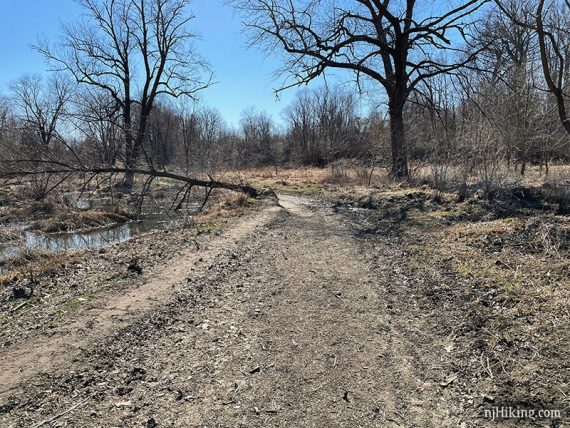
{"x": 41, "y": 104}
{"x": 99, "y": 122}
{"x": 136, "y": 51}
{"x": 395, "y": 44}
{"x": 211, "y": 126}
{"x": 201, "y": 132}
{"x": 511, "y": 68}
{"x": 302, "y": 129}
{"x": 322, "y": 125}
{"x": 189, "y": 135}
{"x": 258, "y": 132}
{"x": 550, "y": 21}
{"x": 162, "y": 135}
{"x": 554, "y": 42}
{"x": 4, "y": 117}
{"x": 338, "y": 129}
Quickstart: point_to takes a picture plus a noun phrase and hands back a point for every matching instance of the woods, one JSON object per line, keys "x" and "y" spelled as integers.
{"x": 477, "y": 86}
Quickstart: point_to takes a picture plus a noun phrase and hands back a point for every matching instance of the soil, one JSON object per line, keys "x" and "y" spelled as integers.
{"x": 300, "y": 314}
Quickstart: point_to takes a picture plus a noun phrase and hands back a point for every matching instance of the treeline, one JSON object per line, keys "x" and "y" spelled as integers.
{"x": 123, "y": 95}
{"x": 453, "y": 120}
{"x": 321, "y": 125}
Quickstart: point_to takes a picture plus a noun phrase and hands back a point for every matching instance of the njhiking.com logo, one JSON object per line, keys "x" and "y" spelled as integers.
{"x": 506, "y": 412}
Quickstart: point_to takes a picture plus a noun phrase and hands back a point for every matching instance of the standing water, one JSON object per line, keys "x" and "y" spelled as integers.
{"x": 69, "y": 241}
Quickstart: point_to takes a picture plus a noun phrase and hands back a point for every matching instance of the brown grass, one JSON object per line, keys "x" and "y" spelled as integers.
{"x": 298, "y": 179}
{"x": 71, "y": 220}
{"x": 508, "y": 278}
{"x": 225, "y": 206}
{"x": 33, "y": 263}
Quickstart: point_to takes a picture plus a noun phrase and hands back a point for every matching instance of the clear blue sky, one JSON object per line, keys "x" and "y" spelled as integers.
{"x": 245, "y": 75}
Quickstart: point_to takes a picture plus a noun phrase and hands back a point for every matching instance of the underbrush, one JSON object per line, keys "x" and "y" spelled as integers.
{"x": 52, "y": 214}
{"x": 30, "y": 266}
{"x": 500, "y": 271}
{"x": 226, "y": 205}
{"x": 499, "y": 190}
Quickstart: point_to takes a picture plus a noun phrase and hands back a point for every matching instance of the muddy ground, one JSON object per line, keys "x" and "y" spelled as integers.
{"x": 307, "y": 313}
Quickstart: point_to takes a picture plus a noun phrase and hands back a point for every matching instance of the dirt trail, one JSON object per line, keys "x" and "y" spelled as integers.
{"x": 47, "y": 354}
{"x": 292, "y": 321}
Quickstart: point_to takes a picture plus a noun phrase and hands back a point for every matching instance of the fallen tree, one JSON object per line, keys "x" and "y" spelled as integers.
{"x": 48, "y": 169}
{"x": 209, "y": 184}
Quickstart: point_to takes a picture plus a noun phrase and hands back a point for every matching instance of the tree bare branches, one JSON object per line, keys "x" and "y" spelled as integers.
{"x": 550, "y": 21}
{"x": 394, "y": 44}
{"x": 41, "y": 105}
{"x": 134, "y": 51}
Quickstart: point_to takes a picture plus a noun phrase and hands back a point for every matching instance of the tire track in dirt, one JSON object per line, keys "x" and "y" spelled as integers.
{"x": 114, "y": 311}
{"x": 299, "y": 326}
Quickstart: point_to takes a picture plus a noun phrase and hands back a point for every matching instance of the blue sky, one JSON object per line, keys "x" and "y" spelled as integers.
{"x": 245, "y": 76}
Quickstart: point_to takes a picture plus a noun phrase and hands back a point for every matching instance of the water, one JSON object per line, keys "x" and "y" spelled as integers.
{"x": 154, "y": 218}
{"x": 95, "y": 238}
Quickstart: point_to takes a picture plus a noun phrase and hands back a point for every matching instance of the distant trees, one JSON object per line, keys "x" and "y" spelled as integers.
{"x": 552, "y": 23}
{"x": 5, "y": 125}
{"x": 500, "y": 100}
{"x": 509, "y": 61}
{"x": 258, "y": 137}
{"x": 134, "y": 52}
{"x": 323, "y": 125}
{"x": 548, "y": 23}
{"x": 99, "y": 123}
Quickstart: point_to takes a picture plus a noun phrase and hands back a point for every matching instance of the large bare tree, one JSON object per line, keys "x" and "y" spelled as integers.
{"x": 135, "y": 51}
{"x": 397, "y": 44}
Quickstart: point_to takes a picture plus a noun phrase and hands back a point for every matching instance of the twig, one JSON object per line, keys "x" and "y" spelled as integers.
{"x": 489, "y": 369}
{"x": 21, "y": 305}
{"x": 59, "y": 415}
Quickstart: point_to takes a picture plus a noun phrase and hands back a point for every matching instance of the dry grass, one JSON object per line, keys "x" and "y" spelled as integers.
{"x": 309, "y": 180}
{"x": 72, "y": 220}
{"x": 33, "y": 264}
{"x": 225, "y": 205}
{"x": 515, "y": 276}
{"x": 504, "y": 281}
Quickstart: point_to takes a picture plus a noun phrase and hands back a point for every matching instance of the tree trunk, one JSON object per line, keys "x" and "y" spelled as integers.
{"x": 523, "y": 163}
{"x": 129, "y": 177}
{"x": 398, "y": 141}
{"x": 134, "y": 146}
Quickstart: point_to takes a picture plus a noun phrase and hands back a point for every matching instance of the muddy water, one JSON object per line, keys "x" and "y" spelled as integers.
{"x": 95, "y": 238}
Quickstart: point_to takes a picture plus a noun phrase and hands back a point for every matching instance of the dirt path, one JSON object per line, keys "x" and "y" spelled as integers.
{"x": 101, "y": 320}
{"x": 289, "y": 320}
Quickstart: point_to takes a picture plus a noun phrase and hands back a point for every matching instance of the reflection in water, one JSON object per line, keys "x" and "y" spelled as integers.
{"x": 81, "y": 240}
